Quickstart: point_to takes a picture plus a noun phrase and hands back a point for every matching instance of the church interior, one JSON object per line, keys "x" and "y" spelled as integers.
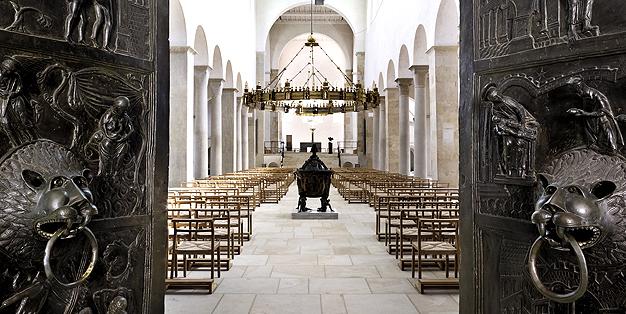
{"x": 404, "y": 139}
{"x": 312, "y": 156}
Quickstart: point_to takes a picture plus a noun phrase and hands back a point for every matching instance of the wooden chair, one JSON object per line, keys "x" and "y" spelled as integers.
{"x": 194, "y": 237}
{"x": 433, "y": 241}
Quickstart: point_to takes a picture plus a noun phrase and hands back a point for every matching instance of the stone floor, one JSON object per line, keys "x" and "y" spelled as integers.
{"x": 313, "y": 266}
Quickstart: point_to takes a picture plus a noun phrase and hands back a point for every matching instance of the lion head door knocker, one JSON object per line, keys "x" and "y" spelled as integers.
{"x": 46, "y": 202}
{"x": 581, "y": 210}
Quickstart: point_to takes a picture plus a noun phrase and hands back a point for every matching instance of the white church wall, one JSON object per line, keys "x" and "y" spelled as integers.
{"x": 267, "y": 11}
{"x": 391, "y": 24}
{"x": 231, "y": 26}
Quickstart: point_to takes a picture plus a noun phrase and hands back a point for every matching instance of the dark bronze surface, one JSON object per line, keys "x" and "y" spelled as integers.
{"x": 314, "y": 181}
{"x": 84, "y": 142}
{"x": 542, "y": 91}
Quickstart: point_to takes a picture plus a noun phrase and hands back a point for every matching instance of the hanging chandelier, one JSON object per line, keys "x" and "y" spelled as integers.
{"x": 316, "y": 96}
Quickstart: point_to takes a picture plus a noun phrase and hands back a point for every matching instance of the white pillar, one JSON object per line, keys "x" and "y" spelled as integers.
{"x": 376, "y": 145}
{"x": 252, "y": 138}
{"x": 238, "y": 150}
{"x": 201, "y": 124}
{"x": 420, "y": 152}
{"x": 228, "y": 129}
{"x": 181, "y": 167}
{"x": 245, "y": 159}
{"x": 403, "y": 118}
{"x": 392, "y": 130}
{"x": 444, "y": 98}
{"x": 260, "y": 137}
{"x": 215, "y": 90}
{"x": 382, "y": 134}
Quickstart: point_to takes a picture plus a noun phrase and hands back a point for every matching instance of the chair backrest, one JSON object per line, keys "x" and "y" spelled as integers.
{"x": 442, "y": 230}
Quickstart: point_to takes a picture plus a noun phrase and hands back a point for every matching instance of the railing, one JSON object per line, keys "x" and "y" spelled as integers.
{"x": 274, "y": 147}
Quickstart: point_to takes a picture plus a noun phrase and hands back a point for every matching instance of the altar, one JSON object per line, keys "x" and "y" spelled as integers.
{"x": 304, "y": 146}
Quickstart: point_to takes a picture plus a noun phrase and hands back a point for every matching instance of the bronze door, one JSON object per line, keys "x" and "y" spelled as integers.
{"x": 543, "y": 173}
{"x": 84, "y": 88}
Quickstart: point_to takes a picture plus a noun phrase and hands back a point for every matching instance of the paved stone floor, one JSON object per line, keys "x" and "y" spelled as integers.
{"x": 313, "y": 266}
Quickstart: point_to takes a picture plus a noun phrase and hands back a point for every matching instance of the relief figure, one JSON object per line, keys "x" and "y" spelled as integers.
{"x": 103, "y": 22}
{"x": 580, "y": 12}
{"x": 517, "y": 129}
{"x": 601, "y": 128}
{"x": 114, "y": 130}
{"x": 16, "y": 113}
{"x": 75, "y": 19}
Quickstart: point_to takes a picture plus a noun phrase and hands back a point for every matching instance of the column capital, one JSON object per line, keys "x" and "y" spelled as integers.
{"x": 419, "y": 68}
{"x": 442, "y": 48}
{"x": 202, "y": 68}
{"x": 183, "y": 49}
{"x": 230, "y": 90}
{"x": 359, "y": 53}
{"x": 214, "y": 80}
{"x": 404, "y": 82}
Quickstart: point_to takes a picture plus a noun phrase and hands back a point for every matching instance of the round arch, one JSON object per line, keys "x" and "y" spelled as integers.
{"x": 447, "y": 25}
{"x": 420, "y": 46}
{"x": 275, "y": 13}
{"x": 177, "y": 25}
{"x": 332, "y": 47}
{"x": 239, "y": 84}
{"x": 218, "y": 68}
{"x": 391, "y": 74}
{"x": 228, "y": 77}
{"x": 343, "y": 39}
{"x": 202, "y": 49}
{"x": 404, "y": 63}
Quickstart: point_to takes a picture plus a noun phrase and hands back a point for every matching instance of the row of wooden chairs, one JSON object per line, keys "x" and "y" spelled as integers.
{"x": 413, "y": 215}
{"x": 209, "y": 220}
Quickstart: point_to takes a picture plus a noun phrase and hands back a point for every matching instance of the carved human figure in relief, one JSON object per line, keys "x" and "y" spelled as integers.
{"x": 517, "y": 128}
{"x": 16, "y": 112}
{"x": 103, "y": 22}
{"x": 114, "y": 130}
{"x": 601, "y": 128}
{"x": 75, "y": 19}
{"x": 580, "y": 12}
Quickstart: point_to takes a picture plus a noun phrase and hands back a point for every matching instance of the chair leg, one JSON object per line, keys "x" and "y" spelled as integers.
{"x": 412, "y": 262}
{"x": 219, "y": 262}
{"x": 456, "y": 266}
{"x": 419, "y": 265}
{"x": 397, "y": 241}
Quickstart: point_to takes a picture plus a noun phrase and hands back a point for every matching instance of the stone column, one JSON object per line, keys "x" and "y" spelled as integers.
{"x": 348, "y": 118}
{"x": 393, "y": 129}
{"x": 360, "y": 123}
{"x": 260, "y": 137}
{"x": 382, "y": 135}
{"x": 403, "y": 117}
{"x": 376, "y": 139}
{"x": 274, "y": 123}
{"x": 238, "y": 139}
{"x": 419, "y": 127}
{"x": 215, "y": 91}
{"x": 252, "y": 137}
{"x": 201, "y": 124}
{"x": 369, "y": 139}
{"x": 181, "y": 166}
{"x": 444, "y": 91}
{"x": 245, "y": 153}
{"x": 228, "y": 129}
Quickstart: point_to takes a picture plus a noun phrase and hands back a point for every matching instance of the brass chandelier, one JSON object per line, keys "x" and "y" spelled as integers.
{"x": 311, "y": 99}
